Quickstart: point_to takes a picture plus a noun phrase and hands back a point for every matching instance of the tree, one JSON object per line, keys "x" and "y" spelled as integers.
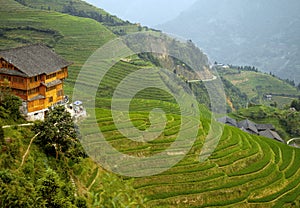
{"x": 1, "y": 134}
{"x": 9, "y": 103}
{"x": 51, "y": 191}
{"x": 57, "y": 132}
{"x": 296, "y": 104}
{"x": 16, "y": 191}
{"x": 298, "y": 86}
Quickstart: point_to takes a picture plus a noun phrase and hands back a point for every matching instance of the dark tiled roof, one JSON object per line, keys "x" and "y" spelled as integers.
{"x": 227, "y": 120}
{"x": 272, "y": 135}
{"x": 12, "y": 72}
{"x": 34, "y": 60}
{"x": 51, "y": 84}
{"x": 38, "y": 97}
{"x": 248, "y": 125}
{"x": 262, "y": 127}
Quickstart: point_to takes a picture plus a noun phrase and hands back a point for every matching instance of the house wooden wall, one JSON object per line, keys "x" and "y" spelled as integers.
{"x": 28, "y": 88}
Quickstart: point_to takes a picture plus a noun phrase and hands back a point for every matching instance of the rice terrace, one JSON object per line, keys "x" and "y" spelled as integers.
{"x": 242, "y": 169}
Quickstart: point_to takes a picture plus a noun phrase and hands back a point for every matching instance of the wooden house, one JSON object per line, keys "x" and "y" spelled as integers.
{"x": 227, "y": 120}
{"x": 36, "y": 75}
{"x": 248, "y": 126}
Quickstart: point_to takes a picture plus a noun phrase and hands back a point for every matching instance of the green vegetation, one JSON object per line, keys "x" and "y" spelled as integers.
{"x": 296, "y": 104}
{"x": 257, "y": 85}
{"x": 286, "y": 121}
{"x": 244, "y": 170}
{"x": 9, "y": 105}
{"x": 58, "y": 134}
{"x": 235, "y": 98}
{"x": 72, "y": 37}
{"x": 83, "y": 9}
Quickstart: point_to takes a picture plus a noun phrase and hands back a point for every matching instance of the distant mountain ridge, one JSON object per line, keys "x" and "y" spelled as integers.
{"x": 261, "y": 33}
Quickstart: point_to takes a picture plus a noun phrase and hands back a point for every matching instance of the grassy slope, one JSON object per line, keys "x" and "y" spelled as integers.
{"x": 58, "y": 5}
{"x": 243, "y": 171}
{"x": 119, "y": 26}
{"x": 259, "y": 84}
{"x": 80, "y": 37}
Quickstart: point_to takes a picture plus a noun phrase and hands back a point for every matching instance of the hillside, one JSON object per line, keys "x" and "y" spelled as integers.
{"x": 286, "y": 121}
{"x": 243, "y": 170}
{"x": 256, "y": 85}
{"x": 83, "y": 9}
{"x": 73, "y": 38}
{"x": 260, "y": 33}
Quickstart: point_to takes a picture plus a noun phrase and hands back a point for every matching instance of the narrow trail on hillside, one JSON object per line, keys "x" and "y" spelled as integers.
{"x": 90, "y": 186}
{"x": 19, "y": 125}
{"x": 27, "y": 151}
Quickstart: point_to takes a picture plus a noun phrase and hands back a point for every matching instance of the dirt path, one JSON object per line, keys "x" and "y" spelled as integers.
{"x": 90, "y": 186}
{"x": 27, "y": 151}
{"x": 9, "y": 126}
{"x": 204, "y": 80}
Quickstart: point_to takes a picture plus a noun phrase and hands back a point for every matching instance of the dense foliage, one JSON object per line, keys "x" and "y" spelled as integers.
{"x": 57, "y": 134}
{"x": 9, "y": 104}
{"x": 236, "y": 98}
{"x": 296, "y": 104}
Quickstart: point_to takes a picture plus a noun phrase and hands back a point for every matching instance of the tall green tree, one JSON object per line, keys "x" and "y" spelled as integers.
{"x": 52, "y": 191}
{"x": 16, "y": 191}
{"x": 57, "y": 132}
{"x": 296, "y": 104}
{"x": 9, "y": 103}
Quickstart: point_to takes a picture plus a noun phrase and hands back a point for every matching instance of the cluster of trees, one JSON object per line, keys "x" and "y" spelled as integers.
{"x": 296, "y": 104}
{"x": 288, "y": 81}
{"x": 9, "y": 105}
{"x": 33, "y": 185}
{"x": 57, "y": 134}
{"x": 48, "y": 184}
{"x": 107, "y": 19}
{"x": 291, "y": 122}
{"x": 49, "y": 191}
{"x": 237, "y": 98}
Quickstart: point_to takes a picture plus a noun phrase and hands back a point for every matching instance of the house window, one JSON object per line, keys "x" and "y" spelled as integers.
{"x": 18, "y": 80}
{"x": 59, "y": 93}
{"x": 7, "y": 78}
{"x": 51, "y": 88}
{"x": 41, "y": 102}
{"x": 50, "y": 76}
{"x": 33, "y": 91}
{"x": 30, "y": 104}
{"x": 50, "y": 99}
{"x": 19, "y": 92}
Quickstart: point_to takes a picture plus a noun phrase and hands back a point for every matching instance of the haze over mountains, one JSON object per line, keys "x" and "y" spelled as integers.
{"x": 147, "y": 12}
{"x": 265, "y": 34}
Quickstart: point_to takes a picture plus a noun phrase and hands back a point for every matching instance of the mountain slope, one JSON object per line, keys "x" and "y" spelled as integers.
{"x": 244, "y": 170}
{"x": 72, "y": 37}
{"x": 257, "y": 85}
{"x": 260, "y": 33}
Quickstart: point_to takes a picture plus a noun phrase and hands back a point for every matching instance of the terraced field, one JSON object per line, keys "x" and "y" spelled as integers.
{"x": 256, "y": 85}
{"x": 73, "y": 38}
{"x": 244, "y": 170}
